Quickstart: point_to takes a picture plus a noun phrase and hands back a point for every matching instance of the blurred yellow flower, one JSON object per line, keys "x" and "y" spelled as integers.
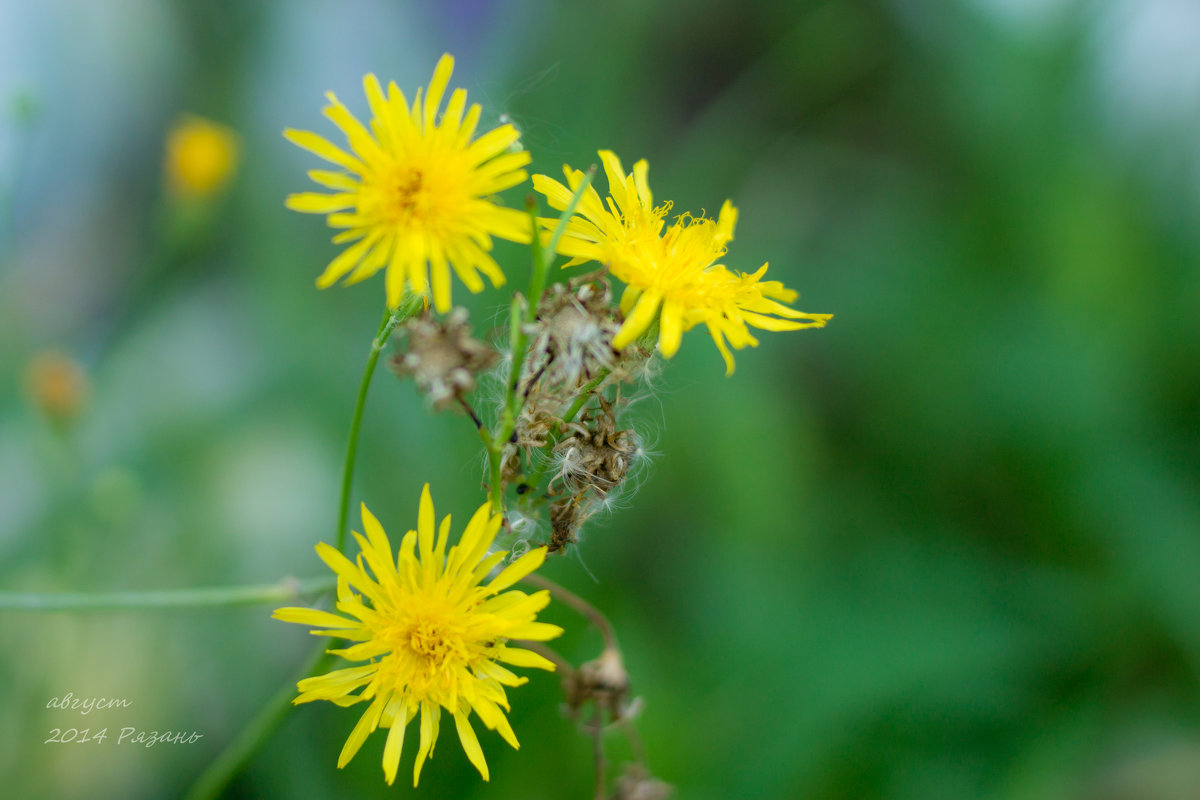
{"x": 670, "y": 276}
{"x": 201, "y": 157}
{"x": 433, "y": 636}
{"x": 415, "y": 192}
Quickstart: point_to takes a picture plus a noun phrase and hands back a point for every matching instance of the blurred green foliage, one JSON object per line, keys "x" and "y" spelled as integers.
{"x": 948, "y": 546}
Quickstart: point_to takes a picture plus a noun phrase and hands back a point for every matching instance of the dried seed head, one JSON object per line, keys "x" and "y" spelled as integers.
{"x": 594, "y": 454}
{"x": 442, "y": 357}
{"x": 637, "y": 364}
{"x": 636, "y": 783}
{"x": 573, "y": 333}
{"x": 537, "y": 419}
{"x": 567, "y": 516}
{"x": 602, "y": 681}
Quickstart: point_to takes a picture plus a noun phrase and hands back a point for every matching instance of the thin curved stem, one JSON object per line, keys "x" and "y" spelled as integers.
{"x": 208, "y": 597}
{"x": 576, "y": 602}
{"x": 391, "y": 318}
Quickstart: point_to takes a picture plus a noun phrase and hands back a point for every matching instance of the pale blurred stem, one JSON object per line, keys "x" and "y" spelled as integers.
{"x": 288, "y": 589}
{"x": 576, "y": 602}
{"x": 391, "y": 318}
{"x": 543, "y": 258}
{"x": 8, "y": 194}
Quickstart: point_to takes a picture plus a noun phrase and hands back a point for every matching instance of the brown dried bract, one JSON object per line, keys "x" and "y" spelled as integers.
{"x": 594, "y": 453}
{"x": 636, "y": 783}
{"x": 573, "y": 333}
{"x": 442, "y": 357}
{"x": 566, "y": 517}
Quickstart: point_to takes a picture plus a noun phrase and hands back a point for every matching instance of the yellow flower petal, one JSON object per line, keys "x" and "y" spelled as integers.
{"x": 429, "y": 718}
{"x": 525, "y": 658}
{"x": 366, "y": 724}
{"x": 670, "y": 329}
{"x": 536, "y": 631}
{"x": 392, "y": 749}
{"x": 518, "y": 569}
{"x": 347, "y": 260}
{"x": 322, "y": 147}
{"x": 470, "y": 744}
{"x": 310, "y": 616}
{"x": 437, "y": 87}
{"x": 360, "y": 139}
{"x": 637, "y": 322}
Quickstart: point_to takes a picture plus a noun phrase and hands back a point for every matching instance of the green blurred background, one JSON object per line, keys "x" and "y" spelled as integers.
{"x": 948, "y": 547}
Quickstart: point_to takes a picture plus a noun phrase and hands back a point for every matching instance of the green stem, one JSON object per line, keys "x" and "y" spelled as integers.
{"x": 495, "y": 482}
{"x": 584, "y": 394}
{"x": 391, "y": 318}
{"x": 569, "y": 598}
{"x": 210, "y": 597}
{"x": 568, "y": 212}
{"x": 233, "y": 758}
{"x": 538, "y": 272}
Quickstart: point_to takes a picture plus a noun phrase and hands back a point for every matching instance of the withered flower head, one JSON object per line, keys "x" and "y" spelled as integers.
{"x": 636, "y": 783}
{"x": 442, "y": 357}
{"x": 595, "y": 454}
{"x": 574, "y": 331}
{"x": 567, "y": 515}
{"x": 602, "y": 681}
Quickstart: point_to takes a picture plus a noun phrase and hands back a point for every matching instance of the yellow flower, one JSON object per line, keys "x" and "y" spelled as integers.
{"x": 433, "y": 637}
{"x": 670, "y": 276}
{"x": 57, "y": 385}
{"x": 201, "y": 157}
{"x": 414, "y": 192}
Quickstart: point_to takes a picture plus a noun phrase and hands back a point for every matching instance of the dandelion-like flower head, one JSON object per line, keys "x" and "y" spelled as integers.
{"x": 670, "y": 275}
{"x": 415, "y": 191}
{"x": 434, "y": 636}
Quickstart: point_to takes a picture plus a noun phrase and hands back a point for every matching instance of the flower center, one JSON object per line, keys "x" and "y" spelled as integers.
{"x": 406, "y": 194}
{"x": 427, "y": 639}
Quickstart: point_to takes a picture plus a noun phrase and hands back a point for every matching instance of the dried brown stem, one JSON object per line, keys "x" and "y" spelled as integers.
{"x": 470, "y": 412}
{"x": 634, "y": 738}
{"x": 579, "y": 604}
{"x": 598, "y": 751}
